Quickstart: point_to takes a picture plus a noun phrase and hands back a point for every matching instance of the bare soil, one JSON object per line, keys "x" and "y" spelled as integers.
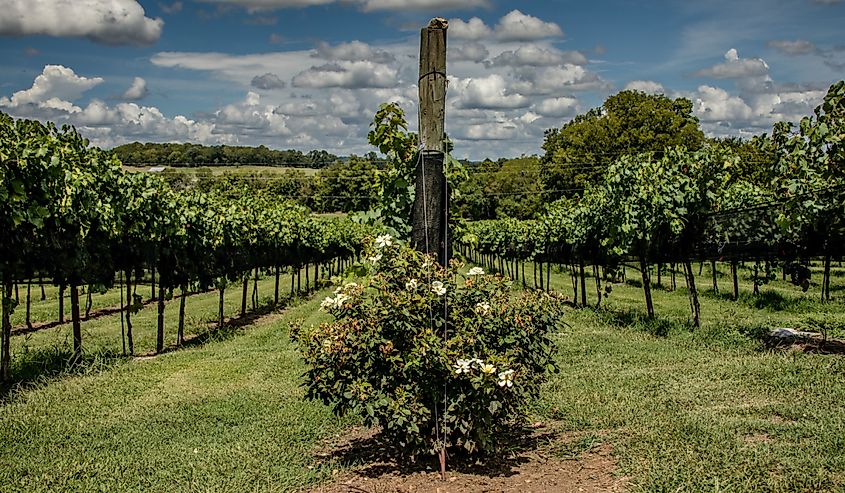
{"x": 539, "y": 460}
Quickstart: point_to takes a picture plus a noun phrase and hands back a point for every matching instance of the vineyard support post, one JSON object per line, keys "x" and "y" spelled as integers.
{"x": 77, "y": 327}
{"x": 429, "y": 214}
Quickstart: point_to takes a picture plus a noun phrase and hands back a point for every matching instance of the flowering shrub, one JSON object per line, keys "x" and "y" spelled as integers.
{"x": 392, "y": 356}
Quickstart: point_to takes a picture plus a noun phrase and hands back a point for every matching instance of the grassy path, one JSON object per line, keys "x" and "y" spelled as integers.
{"x": 229, "y": 416}
{"x": 704, "y": 410}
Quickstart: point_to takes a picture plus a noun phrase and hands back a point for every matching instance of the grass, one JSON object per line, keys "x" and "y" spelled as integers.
{"x": 227, "y": 416}
{"x": 685, "y": 410}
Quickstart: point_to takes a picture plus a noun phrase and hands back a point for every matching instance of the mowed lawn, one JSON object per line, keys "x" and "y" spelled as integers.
{"x": 685, "y": 410}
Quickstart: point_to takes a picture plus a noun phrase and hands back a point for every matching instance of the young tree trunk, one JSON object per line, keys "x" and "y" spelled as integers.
{"x": 659, "y": 274}
{"x": 255, "y": 290}
{"x": 542, "y": 284}
{"x": 276, "y": 289}
{"x": 29, "y": 304}
{"x": 649, "y": 304}
{"x": 220, "y": 308}
{"x": 307, "y": 278}
{"x": 88, "y": 303}
{"x": 534, "y": 263}
{"x": 598, "y": 286}
{"x": 583, "y": 284}
{"x": 826, "y": 279}
{"x": 700, "y": 268}
{"x": 43, "y": 292}
{"x": 180, "y": 334}
{"x": 523, "y": 275}
{"x": 130, "y": 300}
{"x": 61, "y": 303}
{"x": 160, "y": 324}
{"x": 674, "y": 284}
{"x": 756, "y": 284}
{"x": 152, "y": 282}
{"x": 5, "y": 344}
{"x": 77, "y": 326}
{"x": 17, "y": 294}
{"x": 244, "y": 293}
{"x": 693, "y": 294}
{"x": 122, "y": 315}
{"x": 298, "y": 280}
{"x": 573, "y": 275}
{"x": 292, "y": 279}
{"x": 735, "y": 276}
{"x": 549, "y": 276}
{"x": 715, "y": 277}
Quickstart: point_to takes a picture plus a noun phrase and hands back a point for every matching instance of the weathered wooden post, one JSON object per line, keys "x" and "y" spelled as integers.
{"x": 430, "y": 214}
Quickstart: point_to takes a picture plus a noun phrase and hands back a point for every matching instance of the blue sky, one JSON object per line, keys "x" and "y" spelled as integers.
{"x": 310, "y": 74}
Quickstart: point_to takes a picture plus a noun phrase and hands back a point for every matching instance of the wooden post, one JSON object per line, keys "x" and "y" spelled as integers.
{"x": 429, "y": 215}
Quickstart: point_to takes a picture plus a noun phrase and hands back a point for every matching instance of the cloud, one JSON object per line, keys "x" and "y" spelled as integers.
{"x": 467, "y": 52}
{"x": 489, "y": 92}
{"x": 567, "y": 78}
{"x": 734, "y": 67}
{"x": 56, "y": 87}
{"x": 473, "y": 29}
{"x": 262, "y": 20}
{"x": 171, "y": 8}
{"x": 347, "y": 74}
{"x": 557, "y": 107}
{"x": 370, "y": 5}
{"x": 646, "y": 86}
{"x": 113, "y": 22}
{"x": 516, "y": 26}
{"x": 365, "y": 5}
{"x": 713, "y": 104}
{"x": 797, "y": 47}
{"x": 352, "y": 52}
{"x": 267, "y": 82}
{"x": 138, "y": 90}
{"x": 490, "y": 131}
{"x": 251, "y": 116}
{"x": 535, "y": 56}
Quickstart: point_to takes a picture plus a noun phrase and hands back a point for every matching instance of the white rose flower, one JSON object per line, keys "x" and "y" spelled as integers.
{"x": 412, "y": 285}
{"x": 476, "y": 271}
{"x": 482, "y": 308}
{"x": 384, "y": 241}
{"x": 488, "y": 369}
{"x": 339, "y": 300}
{"x": 506, "y": 378}
{"x": 462, "y": 366}
{"x": 438, "y": 288}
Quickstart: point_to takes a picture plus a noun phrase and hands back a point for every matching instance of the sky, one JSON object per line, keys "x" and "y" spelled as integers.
{"x": 310, "y": 74}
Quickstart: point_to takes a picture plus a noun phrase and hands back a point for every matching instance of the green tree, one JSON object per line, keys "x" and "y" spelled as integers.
{"x": 628, "y": 123}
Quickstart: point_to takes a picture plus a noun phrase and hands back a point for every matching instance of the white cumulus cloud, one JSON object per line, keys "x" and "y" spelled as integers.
{"x": 352, "y": 51}
{"x": 473, "y": 29}
{"x": 557, "y": 107}
{"x": 516, "y": 26}
{"x": 56, "y": 87}
{"x": 646, "y": 86}
{"x": 138, "y": 90}
{"x": 489, "y": 92}
{"x": 113, "y": 22}
{"x": 735, "y": 67}
{"x": 348, "y": 75}
{"x": 531, "y": 55}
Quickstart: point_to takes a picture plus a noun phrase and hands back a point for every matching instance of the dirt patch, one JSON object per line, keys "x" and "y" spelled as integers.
{"x": 757, "y": 438}
{"x": 533, "y": 464}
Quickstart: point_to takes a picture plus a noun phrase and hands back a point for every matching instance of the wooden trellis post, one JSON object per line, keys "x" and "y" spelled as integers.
{"x": 429, "y": 216}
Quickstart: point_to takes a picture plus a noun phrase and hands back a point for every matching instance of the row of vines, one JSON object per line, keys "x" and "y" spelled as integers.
{"x": 679, "y": 206}
{"x": 70, "y": 215}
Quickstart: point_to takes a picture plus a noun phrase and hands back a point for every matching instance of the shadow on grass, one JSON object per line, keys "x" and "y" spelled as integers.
{"x": 768, "y": 299}
{"x": 34, "y": 367}
{"x": 373, "y": 455}
{"x": 37, "y": 367}
{"x": 630, "y": 319}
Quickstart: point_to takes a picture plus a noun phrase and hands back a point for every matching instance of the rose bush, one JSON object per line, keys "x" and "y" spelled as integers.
{"x": 411, "y": 339}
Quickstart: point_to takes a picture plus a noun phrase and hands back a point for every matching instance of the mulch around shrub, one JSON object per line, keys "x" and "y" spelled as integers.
{"x": 537, "y": 460}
